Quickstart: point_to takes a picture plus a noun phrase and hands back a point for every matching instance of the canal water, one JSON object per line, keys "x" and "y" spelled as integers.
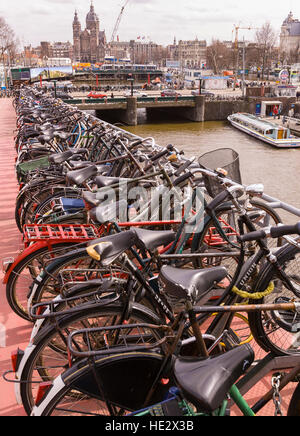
{"x": 278, "y": 170}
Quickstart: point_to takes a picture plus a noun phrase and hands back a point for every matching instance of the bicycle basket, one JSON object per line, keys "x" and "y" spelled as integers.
{"x": 224, "y": 158}
{"x": 25, "y": 167}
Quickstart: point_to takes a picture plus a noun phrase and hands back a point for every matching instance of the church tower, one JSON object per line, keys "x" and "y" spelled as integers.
{"x": 93, "y": 25}
{"x": 76, "y": 38}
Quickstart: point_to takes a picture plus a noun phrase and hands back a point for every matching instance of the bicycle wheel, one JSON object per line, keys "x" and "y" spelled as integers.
{"x": 25, "y": 272}
{"x": 278, "y": 331}
{"x": 46, "y": 207}
{"x": 76, "y": 267}
{"x": 211, "y": 242}
{"x": 77, "y": 391}
{"x": 294, "y": 406}
{"x": 29, "y": 208}
{"x": 47, "y": 356}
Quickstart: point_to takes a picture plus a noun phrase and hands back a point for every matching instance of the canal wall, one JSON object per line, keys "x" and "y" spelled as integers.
{"x": 220, "y": 110}
{"x": 198, "y": 109}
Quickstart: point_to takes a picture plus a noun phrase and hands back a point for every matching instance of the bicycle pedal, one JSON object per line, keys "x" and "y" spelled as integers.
{"x": 230, "y": 339}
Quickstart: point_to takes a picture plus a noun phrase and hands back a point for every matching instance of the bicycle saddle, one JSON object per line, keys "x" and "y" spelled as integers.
{"x": 103, "y": 182}
{"x": 46, "y": 137}
{"x": 59, "y": 158}
{"x": 107, "y": 249}
{"x": 103, "y": 169}
{"x": 78, "y": 177}
{"x": 207, "y": 382}
{"x": 151, "y": 239}
{"x": 110, "y": 247}
{"x": 181, "y": 283}
{"x": 79, "y": 150}
{"x": 62, "y": 135}
{"x": 79, "y": 164}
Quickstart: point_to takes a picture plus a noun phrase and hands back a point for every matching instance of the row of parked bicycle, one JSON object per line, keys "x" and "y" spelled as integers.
{"x": 143, "y": 272}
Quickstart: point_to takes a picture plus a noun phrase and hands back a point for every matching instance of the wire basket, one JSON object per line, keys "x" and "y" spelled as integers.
{"x": 224, "y": 158}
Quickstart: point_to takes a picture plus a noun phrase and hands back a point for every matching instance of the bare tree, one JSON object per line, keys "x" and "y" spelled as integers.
{"x": 8, "y": 41}
{"x": 218, "y": 56}
{"x": 266, "y": 41}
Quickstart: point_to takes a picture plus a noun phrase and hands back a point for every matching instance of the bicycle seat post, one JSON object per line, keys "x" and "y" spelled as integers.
{"x": 201, "y": 346}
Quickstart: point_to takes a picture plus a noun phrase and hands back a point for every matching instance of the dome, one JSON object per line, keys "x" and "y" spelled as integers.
{"x": 91, "y": 17}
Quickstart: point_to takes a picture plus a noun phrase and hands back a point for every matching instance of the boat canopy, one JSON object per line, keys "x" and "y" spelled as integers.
{"x": 252, "y": 120}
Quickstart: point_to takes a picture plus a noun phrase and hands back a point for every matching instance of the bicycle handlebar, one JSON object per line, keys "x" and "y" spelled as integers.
{"x": 182, "y": 178}
{"x": 273, "y": 232}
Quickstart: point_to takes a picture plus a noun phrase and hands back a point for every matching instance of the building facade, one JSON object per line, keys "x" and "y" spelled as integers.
{"x": 89, "y": 45}
{"x": 190, "y": 54}
{"x": 290, "y": 37}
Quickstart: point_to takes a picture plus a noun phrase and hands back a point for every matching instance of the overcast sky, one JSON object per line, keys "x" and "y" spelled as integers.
{"x": 160, "y": 20}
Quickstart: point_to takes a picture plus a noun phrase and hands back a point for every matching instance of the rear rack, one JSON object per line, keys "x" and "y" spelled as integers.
{"x": 59, "y": 232}
{"x": 71, "y": 305}
{"x": 116, "y": 339}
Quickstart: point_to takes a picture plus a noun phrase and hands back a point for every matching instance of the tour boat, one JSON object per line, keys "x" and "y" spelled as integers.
{"x": 271, "y": 133}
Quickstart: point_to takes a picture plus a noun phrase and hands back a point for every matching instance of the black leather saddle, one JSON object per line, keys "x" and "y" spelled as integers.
{"x": 109, "y": 248}
{"x": 150, "y": 239}
{"x": 61, "y": 135}
{"x": 206, "y": 382}
{"x": 104, "y": 182}
{"x": 181, "y": 283}
{"x": 79, "y": 164}
{"x": 59, "y": 158}
{"x": 78, "y": 177}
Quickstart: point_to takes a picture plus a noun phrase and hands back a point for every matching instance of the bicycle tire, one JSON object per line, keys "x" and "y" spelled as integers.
{"x": 209, "y": 225}
{"x": 294, "y": 406}
{"x": 122, "y": 393}
{"x": 45, "y": 205}
{"x": 29, "y": 208}
{"x": 17, "y": 300}
{"x": 51, "y": 285}
{"x": 43, "y": 347}
{"x": 272, "y": 330}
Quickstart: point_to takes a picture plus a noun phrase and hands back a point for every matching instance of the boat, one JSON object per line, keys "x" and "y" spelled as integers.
{"x": 271, "y": 133}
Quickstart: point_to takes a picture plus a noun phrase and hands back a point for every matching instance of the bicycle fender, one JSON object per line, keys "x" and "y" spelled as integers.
{"x": 31, "y": 249}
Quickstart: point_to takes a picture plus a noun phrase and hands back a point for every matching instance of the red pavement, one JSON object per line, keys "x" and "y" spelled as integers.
{"x": 15, "y": 332}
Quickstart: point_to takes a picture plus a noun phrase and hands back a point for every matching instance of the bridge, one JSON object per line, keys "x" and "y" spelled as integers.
{"x": 192, "y": 107}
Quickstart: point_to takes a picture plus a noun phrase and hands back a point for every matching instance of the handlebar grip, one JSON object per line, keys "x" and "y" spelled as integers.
{"x": 183, "y": 168}
{"x": 277, "y": 232}
{"x": 253, "y": 236}
{"x": 135, "y": 144}
{"x": 219, "y": 199}
{"x": 159, "y": 155}
{"x": 182, "y": 178}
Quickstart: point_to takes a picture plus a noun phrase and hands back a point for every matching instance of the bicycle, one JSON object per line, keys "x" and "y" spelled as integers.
{"x": 204, "y": 383}
{"x": 62, "y": 310}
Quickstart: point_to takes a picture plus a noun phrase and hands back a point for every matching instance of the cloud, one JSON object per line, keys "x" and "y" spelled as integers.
{"x": 160, "y": 19}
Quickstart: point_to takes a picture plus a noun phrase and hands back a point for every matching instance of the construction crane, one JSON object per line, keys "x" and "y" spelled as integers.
{"x": 118, "y": 21}
{"x": 236, "y": 47}
{"x": 236, "y": 29}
